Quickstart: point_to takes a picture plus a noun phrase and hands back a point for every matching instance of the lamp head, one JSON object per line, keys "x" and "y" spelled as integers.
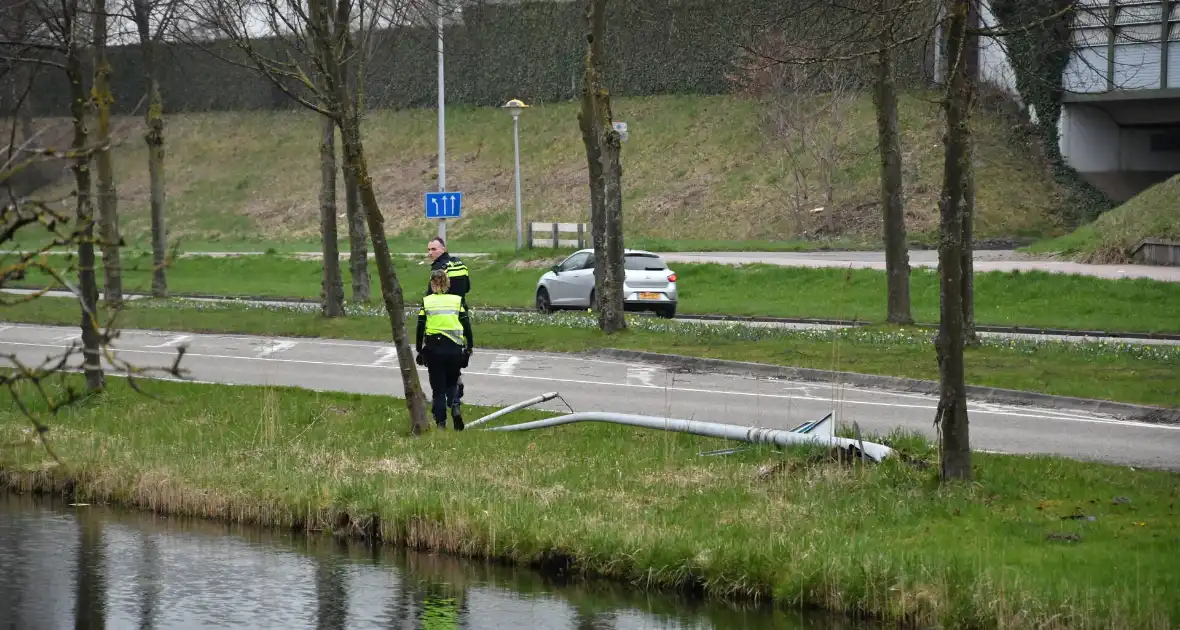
{"x": 514, "y": 107}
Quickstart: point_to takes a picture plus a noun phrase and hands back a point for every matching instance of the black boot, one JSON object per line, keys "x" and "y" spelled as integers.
{"x": 457, "y": 416}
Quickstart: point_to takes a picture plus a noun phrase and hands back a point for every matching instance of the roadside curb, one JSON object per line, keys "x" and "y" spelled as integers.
{"x": 1141, "y": 413}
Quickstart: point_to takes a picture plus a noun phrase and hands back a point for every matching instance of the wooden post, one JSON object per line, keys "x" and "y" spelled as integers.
{"x": 530, "y": 235}
{"x": 554, "y": 236}
{"x": 581, "y": 237}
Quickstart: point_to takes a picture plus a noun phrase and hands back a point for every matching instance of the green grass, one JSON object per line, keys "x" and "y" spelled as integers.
{"x": 1039, "y": 299}
{"x": 638, "y": 506}
{"x": 703, "y": 170}
{"x": 1134, "y": 374}
{"x": 1153, "y": 213}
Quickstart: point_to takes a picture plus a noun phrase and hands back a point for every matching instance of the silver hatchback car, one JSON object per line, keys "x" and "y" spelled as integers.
{"x": 648, "y": 284}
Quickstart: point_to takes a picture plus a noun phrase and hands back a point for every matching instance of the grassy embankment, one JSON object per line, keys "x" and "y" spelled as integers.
{"x": 1134, "y": 374}
{"x": 1153, "y": 213}
{"x": 1036, "y": 299}
{"x": 1035, "y": 542}
{"x": 702, "y": 172}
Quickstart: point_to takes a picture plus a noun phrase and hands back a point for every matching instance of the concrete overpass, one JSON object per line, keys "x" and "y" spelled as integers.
{"x": 1120, "y": 120}
{"x": 1120, "y": 123}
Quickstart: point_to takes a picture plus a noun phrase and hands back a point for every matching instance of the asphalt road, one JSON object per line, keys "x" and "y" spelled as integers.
{"x": 500, "y": 378}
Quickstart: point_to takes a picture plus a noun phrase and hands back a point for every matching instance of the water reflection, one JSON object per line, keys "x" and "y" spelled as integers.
{"x": 92, "y": 567}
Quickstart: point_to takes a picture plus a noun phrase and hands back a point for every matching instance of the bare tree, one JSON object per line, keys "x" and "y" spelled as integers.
{"x": 808, "y": 105}
{"x": 897, "y": 257}
{"x": 842, "y": 37}
{"x": 56, "y": 36}
{"x": 316, "y": 37}
{"x": 142, "y": 14}
{"x": 951, "y": 416}
{"x": 331, "y": 285}
{"x": 108, "y": 199}
{"x": 358, "y": 259}
{"x": 47, "y": 379}
{"x": 603, "y": 147}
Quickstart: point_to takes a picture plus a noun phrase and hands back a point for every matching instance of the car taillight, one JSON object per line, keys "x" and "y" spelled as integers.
{"x": 672, "y": 277}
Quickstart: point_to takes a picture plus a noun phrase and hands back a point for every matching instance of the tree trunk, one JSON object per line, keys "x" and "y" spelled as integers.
{"x": 358, "y": 251}
{"x": 605, "y": 173}
{"x": 328, "y": 30}
{"x": 611, "y": 317}
{"x": 108, "y": 200}
{"x": 591, "y": 140}
{"x": 154, "y": 138}
{"x": 971, "y": 62}
{"x": 970, "y": 336}
{"x": 951, "y": 417}
{"x": 391, "y": 290}
{"x": 897, "y": 258}
{"x": 87, "y": 285}
{"x": 332, "y": 286}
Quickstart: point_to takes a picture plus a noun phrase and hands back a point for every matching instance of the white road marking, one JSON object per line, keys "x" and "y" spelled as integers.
{"x": 272, "y": 346}
{"x": 172, "y": 342}
{"x": 643, "y": 374}
{"x": 387, "y": 358}
{"x": 690, "y": 390}
{"x": 70, "y": 338}
{"x": 505, "y": 364}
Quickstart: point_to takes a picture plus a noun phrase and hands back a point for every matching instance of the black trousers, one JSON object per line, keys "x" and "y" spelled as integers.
{"x": 444, "y": 369}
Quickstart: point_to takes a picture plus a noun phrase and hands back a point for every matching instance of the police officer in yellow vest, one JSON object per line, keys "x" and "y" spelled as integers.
{"x": 457, "y": 272}
{"x": 445, "y": 342}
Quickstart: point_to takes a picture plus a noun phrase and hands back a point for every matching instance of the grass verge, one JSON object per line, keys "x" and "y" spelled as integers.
{"x": 1035, "y": 542}
{"x": 1110, "y": 371}
{"x": 1153, "y": 213}
{"x": 1035, "y": 299}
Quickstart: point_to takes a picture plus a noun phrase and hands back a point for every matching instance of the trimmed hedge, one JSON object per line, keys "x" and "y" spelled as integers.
{"x": 528, "y": 50}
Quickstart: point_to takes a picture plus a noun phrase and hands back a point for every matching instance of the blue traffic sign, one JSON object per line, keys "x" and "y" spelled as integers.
{"x": 443, "y": 205}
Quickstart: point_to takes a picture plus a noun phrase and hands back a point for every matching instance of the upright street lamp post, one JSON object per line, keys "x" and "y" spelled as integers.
{"x": 442, "y": 124}
{"x": 514, "y": 107}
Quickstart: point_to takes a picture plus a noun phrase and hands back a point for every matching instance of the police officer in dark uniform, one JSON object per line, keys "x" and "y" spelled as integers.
{"x": 459, "y": 277}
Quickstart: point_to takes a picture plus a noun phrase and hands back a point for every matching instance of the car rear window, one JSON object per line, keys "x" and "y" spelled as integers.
{"x": 643, "y": 262}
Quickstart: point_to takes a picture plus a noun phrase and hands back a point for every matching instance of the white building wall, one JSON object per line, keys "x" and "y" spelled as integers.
{"x": 1090, "y": 139}
{"x": 995, "y": 68}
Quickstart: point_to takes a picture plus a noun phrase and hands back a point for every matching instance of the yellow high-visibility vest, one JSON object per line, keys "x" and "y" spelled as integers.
{"x": 442, "y": 316}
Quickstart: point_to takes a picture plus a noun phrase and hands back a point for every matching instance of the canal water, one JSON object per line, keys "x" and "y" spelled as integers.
{"x": 65, "y": 566}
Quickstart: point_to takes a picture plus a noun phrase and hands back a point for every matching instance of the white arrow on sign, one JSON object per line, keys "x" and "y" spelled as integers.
{"x": 434, "y": 201}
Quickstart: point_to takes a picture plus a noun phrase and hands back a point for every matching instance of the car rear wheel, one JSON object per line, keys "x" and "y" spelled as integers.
{"x": 544, "y": 305}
